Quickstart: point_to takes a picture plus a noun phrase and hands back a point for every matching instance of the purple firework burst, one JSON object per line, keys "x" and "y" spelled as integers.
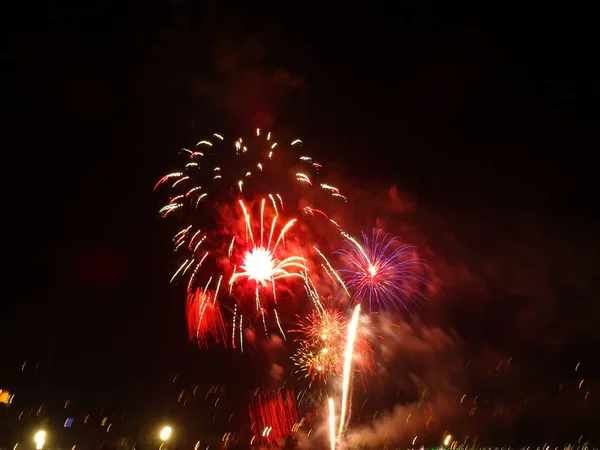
{"x": 382, "y": 272}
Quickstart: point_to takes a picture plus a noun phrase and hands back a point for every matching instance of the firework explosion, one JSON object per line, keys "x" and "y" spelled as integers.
{"x": 235, "y": 235}
{"x": 381, "y": 272}
{"x": 246, "y": 254}
{"x": 321, "y": 341}
{"x": 263, "y": 263}
{"x": 318, "y": 356}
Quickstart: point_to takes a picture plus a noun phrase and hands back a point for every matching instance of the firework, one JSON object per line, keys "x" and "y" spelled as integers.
{"x": 273, "y": 415}
{"x": 260, "y": 264}
{"x": 234, "y": 225}
{"x": 348, "y": 355}
{"x": 263, "y": 260}
{"x": 332, "y": 423}
{"x": 322, "y": 337}
{"x": 381, "y": 272}
{"x": 247, "y": 254}
{"x": 319, "y": 356}
{"x": 204, "y": 318}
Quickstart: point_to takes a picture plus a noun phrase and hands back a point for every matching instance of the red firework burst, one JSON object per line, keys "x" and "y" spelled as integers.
{"x": 204, "y": 318}
{"x": 228, "y": 202}
{"x": 273, "y": 416}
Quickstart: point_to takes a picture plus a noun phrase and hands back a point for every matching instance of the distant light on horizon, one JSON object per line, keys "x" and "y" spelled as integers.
{"x": 165, "y": 433}
{"x": 39, "y": 439}
{"x": 447, "y": 440}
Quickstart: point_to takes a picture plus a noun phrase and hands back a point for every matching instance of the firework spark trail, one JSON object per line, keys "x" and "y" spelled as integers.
{"x": 274, "y": 415}
{"x": 241, "y": 334}
{"x": 312, "y": 293}
{"x": 331, "y": 271}
{"x": 381, "y": 271}
{"x": 233, "y": 327}
{"x": 349, "y": 353}
{"x": 204, "y": 318}
{"x": 332, "y": 423}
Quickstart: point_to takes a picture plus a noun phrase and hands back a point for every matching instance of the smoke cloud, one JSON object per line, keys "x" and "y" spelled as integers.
{"x": 243, "y": 85}
{"x": 423, "y": 365}
{"x": 503, "y": 286}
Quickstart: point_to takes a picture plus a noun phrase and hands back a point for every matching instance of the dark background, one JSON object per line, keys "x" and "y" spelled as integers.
{"x": 477, "y": 110}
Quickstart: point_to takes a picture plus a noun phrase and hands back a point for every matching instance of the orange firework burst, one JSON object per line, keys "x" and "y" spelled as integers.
{"x": 204, "y": 318}
{"x": 322, "y": 342}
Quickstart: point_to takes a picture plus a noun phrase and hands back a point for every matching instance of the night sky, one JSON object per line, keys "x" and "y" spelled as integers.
{"x": 484, "y": 119}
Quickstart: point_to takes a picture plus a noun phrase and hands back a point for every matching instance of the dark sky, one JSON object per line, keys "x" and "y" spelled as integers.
{"x": 486, "y": 115}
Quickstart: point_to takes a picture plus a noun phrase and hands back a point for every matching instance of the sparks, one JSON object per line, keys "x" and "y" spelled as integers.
{"x": 381, "y": 271}
{"x": 322, "y": 336}
{"x": 260, "y": 263}
{"x": 204, "y": 319}
{"x": 257, "y": 258}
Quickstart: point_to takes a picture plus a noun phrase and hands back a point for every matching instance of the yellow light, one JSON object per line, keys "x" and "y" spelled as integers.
{"x": 165, "y": 433}
{"x": 39, "y": 439}
{"x": 447, "y": 440}
{"x": 5, "y": 396}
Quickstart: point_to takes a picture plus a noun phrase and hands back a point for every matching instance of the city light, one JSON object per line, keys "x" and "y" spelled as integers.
{"x": 39, "y": 439}
{"x": 165, "y": 433}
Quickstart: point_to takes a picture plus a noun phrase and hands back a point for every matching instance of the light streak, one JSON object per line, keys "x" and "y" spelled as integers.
{"x": 332, "y": 423}
{"x": 352, "y": 330}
